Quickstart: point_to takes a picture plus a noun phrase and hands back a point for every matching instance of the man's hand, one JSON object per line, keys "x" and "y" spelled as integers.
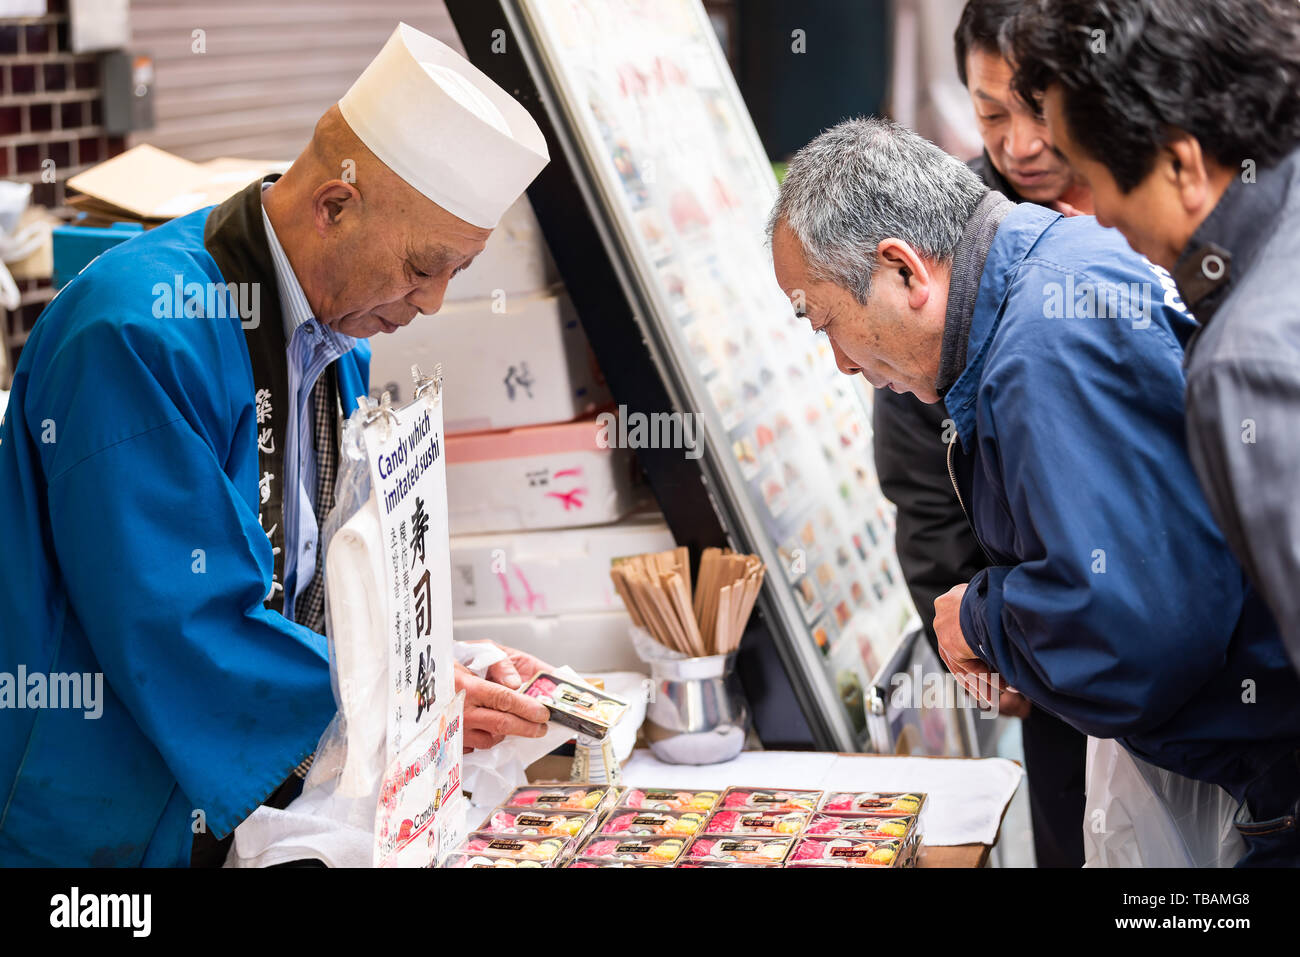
{"x": 493, "y": 710}
{"x": 969, "y": 669}
{"x": 518, "y": 667}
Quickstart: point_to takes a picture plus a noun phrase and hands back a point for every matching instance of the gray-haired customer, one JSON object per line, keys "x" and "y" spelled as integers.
{"x": 1112, "y": 600}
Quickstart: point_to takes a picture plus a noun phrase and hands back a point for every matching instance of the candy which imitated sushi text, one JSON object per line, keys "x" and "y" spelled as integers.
{"x": 873, "y": 802}
{"x": 758, "y": 850}
{"x": 846, "y": 852}
{"x": 754, "y": 821}
{"x": 866, "y": 826}
{"x": 670, "y": 800}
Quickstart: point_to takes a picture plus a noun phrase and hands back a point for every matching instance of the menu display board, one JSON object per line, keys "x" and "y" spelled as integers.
{"x": 671, "y": 152}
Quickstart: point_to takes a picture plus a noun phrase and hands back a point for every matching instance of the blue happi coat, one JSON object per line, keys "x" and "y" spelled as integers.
{"x": 130, "y": 495}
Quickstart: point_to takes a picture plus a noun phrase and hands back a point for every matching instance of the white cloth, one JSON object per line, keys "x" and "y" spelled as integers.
{"x": 442, "y": 125}
{"x": 964, "y": 803}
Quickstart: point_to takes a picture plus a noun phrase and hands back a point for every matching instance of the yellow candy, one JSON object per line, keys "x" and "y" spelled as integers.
{"x": 898, "y": 828}
{"x": 882, "y": 855}
{"x": 592, "y": 798}
{"x": 667, "y": 850}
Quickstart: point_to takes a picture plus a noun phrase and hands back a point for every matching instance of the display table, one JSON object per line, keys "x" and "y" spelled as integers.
{"x": 966, "y": 798}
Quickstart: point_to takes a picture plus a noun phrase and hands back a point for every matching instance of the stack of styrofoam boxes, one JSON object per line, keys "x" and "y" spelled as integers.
{"x": 537, "y": 506}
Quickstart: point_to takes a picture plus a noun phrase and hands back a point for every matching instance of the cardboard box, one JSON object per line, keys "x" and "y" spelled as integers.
{"x": 587, "y": 642}
{"x": 515, "y": 261}
{"x": 548, "y": 572}
{"x": 527, "y": 366}
{"x": 546, "y": 476}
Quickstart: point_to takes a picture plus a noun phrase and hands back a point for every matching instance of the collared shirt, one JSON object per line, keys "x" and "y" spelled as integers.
{"x": 312, "y": 347}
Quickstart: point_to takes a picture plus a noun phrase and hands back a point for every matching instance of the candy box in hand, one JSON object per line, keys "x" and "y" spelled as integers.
{"x": 873, "y": 802}
{"x": 643, "y": 850}
{"x": 639, "y": 820}
{"x": 550, "y": 796}
{"x": 575, "y": 705}
{"x": 669, "y": 799}
{"x": 873, "y": 827}
{"x": 517, "y": 846}
{"x": 847, "y": 852}
{"x": 739, "y": 849}
{"x": 464, "y": 859}
{"x": 547, "y": 822}
{"x": 767, "y": 799}
{"x": 755, "y": 821}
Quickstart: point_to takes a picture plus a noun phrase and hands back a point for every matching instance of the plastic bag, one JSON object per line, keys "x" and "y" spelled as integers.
{"x": 1139, "y": 815}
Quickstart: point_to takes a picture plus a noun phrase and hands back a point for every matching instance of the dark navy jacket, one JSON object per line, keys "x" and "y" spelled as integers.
{"x": 1112, "y": 600}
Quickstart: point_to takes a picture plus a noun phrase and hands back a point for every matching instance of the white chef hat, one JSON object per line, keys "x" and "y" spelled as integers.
{"x": 442, "y": 125}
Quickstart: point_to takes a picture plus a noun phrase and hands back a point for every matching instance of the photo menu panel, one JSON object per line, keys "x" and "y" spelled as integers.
{"x": 673, "y": 152}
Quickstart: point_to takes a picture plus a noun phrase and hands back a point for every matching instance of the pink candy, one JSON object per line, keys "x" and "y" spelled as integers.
{"x": 542, "y": 687}
{"x": 725, "y": 821}
{"x": 620, "y": 824}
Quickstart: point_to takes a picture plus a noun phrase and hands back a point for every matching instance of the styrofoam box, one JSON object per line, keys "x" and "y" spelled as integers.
{"x": 548, "y": 572}
{"x": 544, "y": 476}
{"x": 526, "y": 366}
{"x": 515, "y": 260}
{"x": 587, "y": 642}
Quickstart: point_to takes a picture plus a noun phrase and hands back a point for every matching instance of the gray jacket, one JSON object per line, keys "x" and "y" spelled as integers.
{"x": 1240, "y": 276}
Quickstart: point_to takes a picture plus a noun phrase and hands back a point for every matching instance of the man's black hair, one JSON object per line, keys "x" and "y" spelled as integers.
{"x": 1227, "y": 72}
{"x": 979, "y": 28}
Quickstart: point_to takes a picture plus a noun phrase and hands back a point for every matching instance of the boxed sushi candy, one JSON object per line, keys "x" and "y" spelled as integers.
{"x": 465, "y": 859}
{"x": 554, "y": 796}
{"x": 757, "y": 821}
{"x": 669, "y": 799}
{"x": 585, "y": 862}
{"x": 740, "y": 850}
{"x": 873, "y": 802}
{"x": 575, "y": 705}
{"x": 873, "y": 827}
{"x": 543, "y": 821}
{"x": 689, "y": 864}
{"x": 769, "y": 799}
{"x": 849, "y": 852}
{"x": 643, "y": 821}
{"x": 519, "y": 847}
{"x": 638, "y": 850}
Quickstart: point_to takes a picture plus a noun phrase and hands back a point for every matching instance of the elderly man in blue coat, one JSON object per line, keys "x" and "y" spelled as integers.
{"x": 1111, "y": 600}
{"x": 167, "y": 460}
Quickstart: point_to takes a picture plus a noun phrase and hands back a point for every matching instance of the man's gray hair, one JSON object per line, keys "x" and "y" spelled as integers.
{"x": 866, "y": 180}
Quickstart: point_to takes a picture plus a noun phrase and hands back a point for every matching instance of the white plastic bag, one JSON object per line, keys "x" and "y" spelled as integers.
{"x": 1139, "y": 815}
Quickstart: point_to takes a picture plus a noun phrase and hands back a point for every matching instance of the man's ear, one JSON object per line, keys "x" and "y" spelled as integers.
{"x": 900, "y": 264}
{"x": 332, "y": 201}
{"x": 1187, "y": 169}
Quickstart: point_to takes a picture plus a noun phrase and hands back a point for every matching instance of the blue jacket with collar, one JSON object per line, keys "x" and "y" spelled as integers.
{"x": 1112, "y": 600}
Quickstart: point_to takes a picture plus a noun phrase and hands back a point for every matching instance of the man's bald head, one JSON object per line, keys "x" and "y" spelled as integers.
{"x": 370, "y": 250}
